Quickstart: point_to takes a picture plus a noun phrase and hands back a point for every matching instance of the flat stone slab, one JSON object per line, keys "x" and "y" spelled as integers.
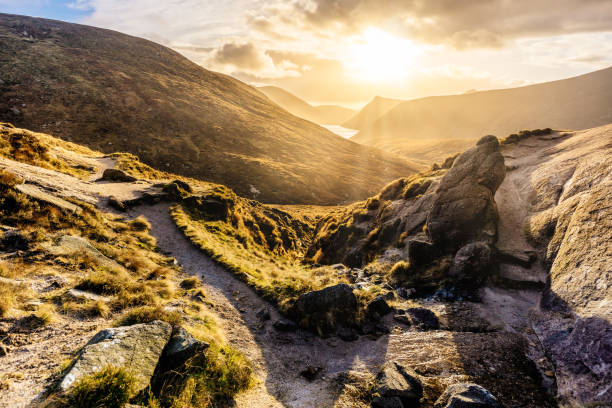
{"x": 38, "y": 193}
{"x": 135, "y": 348}
{"x": 71, "y": 244}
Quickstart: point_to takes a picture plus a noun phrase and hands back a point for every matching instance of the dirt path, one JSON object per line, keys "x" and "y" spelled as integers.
{"x": 278, "y": 357}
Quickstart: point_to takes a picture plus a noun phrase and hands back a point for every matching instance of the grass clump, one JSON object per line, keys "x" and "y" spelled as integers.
{"x": 190, "y": 283}
{"x": 211, "y": 378}
{"x": 140, "y": 224}
{"x": 111, "y": 387}
{"x": 147, "y": 314}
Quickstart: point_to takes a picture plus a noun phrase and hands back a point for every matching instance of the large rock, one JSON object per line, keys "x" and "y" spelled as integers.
{"x": 466, "y": 395}
{"x": 135, "y": 348}
{"x": 464, "y": 209}
{"x": 39, "y": 194}
{"x": 396, "y": 386}
{"x": 117, "y": 175}
{"x": 471, "y": 264}
{"x": 325, "y": 310}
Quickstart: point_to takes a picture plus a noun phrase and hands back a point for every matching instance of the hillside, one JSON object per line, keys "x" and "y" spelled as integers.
{"x": 114, "y": 92}
{"x": 370, "y": 113}
{"x": 323, "y": 114}
{"x": 575, "y": 103}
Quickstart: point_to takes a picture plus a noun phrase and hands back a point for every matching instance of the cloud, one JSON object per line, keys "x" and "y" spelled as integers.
{"x": 461, "y": 24}
{"x": 244, "y": 56}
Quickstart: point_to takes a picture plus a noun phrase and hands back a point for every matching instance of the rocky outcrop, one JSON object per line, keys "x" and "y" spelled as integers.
{"x": 570, "y": 223}
{"x": 324, "y": 311}
{"x": 466, "y": 395}
{"x": 71, "y": 244}
{"x": 464, "y": 209}
{"x": 396, "y": 386}
{"x": 136, "y": 348}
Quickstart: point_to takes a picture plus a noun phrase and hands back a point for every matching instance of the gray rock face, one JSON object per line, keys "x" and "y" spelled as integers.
{"x": 180, "y": 348}
{"x": 471, "y": 264}
{"x": 135, "y": 348}
{"x": 464, "y": 209}
{"x": 325, "y": 310}
{"x": 466, "y": 395}
{"x": 117, "y": 176}
{"x": 396, "y": 386}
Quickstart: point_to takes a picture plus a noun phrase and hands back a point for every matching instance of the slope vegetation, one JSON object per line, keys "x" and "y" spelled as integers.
{"x": 323, "y": 114}
{"x": 411, "y": 127}
{"x": 114, "y": 92}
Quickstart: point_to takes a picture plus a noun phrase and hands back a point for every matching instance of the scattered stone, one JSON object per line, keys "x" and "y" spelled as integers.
{"x": 32, "y": 305}
{"x": 285, "y": 325}
{"x": 378, "y": 307}
{"x": 406, "y": 293}
{"x": 136, "y": 348}
{"x": 471, "y": 264}
{"x": 263, "y": 314}
{"x": 310, "y": 373}
{"x": 403, "y": 319}
{"x": 464, "y": 209}
{"x": 422, "y": 253}
{"x": 466, "y": 395}
{"x": 117, "y": 175}
{"x": 82, "y": 296}
{"x": 423, "y": 319}
{"x": 347, "y": 334}
{"x": 396, "y": 383}
{"x": 323, "y": 311}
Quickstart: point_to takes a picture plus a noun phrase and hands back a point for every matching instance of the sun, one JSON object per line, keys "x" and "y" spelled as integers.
{"x": 379, "y": 56}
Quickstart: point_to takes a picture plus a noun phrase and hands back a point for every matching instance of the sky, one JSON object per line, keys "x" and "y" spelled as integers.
{"x": 348, "y": 51}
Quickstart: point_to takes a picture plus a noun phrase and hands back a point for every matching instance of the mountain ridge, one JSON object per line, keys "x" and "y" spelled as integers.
{"x": 115, "y": 92}
{"x": 321, "y": 114}
{"x": 579, "y": 102}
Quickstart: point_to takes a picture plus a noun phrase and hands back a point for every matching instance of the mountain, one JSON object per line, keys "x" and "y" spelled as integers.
{"x": 323, "y": 114}
{"x": 114, "y": 92}
{"x": 371, "y": 112}
{"x": 575, "y": 103}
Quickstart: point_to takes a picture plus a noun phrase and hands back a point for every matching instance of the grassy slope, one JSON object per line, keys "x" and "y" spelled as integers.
{"x": 575, "y": 103}
{"x": 136, "y": 289}
{"x": 114, "y": 92}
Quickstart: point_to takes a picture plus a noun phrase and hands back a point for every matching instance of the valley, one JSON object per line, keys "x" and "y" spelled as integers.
{"x": 179, "y": 230}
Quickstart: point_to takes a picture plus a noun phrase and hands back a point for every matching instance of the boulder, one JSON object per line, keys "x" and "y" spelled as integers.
{"x": 422, "y": 253}
{"x": 285, "y": 325}
{"x": 423, "y": 319}
{"x": 325, "y": 310}
{"x": 471, "y": 264}
{"x": 117, "y": 176}
{"x": 378, "y": 307}
{"x": 82, "y": 296}
{"x": 180, "y": 348}
{"x": 466, "y": 395}
{"x": 135, "y": 348}
{"x": 464, "y": 209}
{"x": 396, "y": 386}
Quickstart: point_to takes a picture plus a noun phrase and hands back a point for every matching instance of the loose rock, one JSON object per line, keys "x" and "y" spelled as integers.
{"x": 466, "y": 395}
